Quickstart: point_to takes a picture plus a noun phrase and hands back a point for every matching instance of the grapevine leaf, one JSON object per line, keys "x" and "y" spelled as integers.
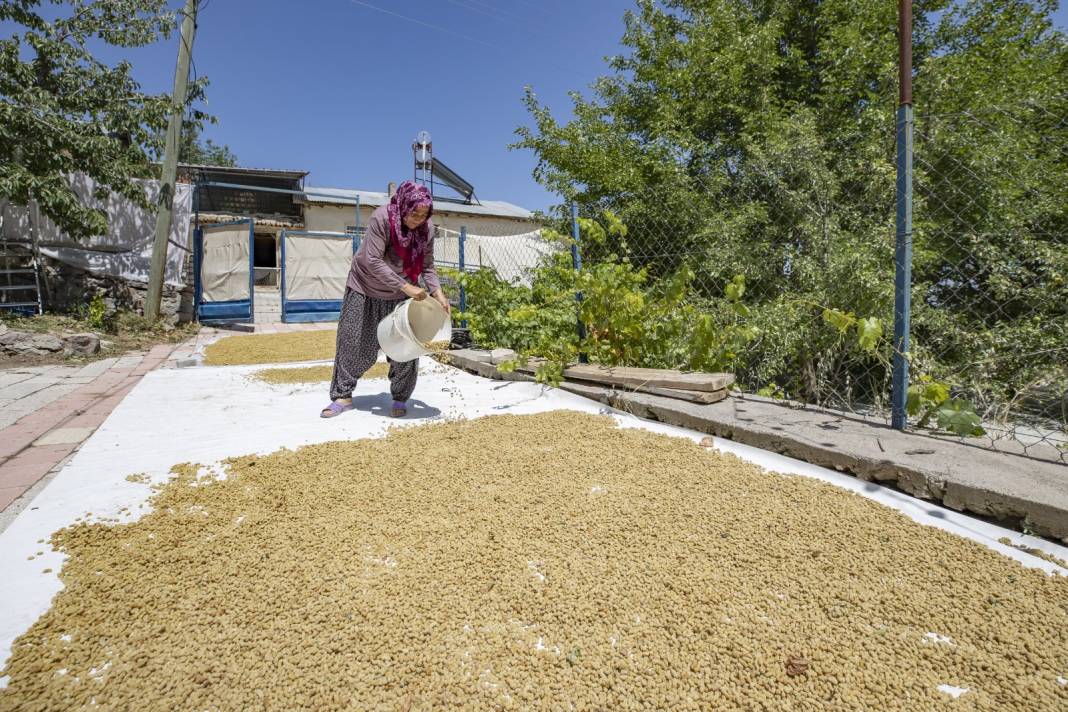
{"x": 736, "y": 288}
{"x": 591, "y": 231}
{"x": 615, "y": 225}
{"x": 839, "y": 319}
{"x": 914, "y": 402}
{"x": 869, "y": 332}
{"x": 935, "y": 393}
{"x": 523, "y": 313}
{"x": 958, "y": 416}
{"x": 740, "y": 309}
{"x": 772, "y": 390}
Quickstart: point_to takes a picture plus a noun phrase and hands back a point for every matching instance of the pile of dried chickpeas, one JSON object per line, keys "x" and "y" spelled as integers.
{"x": 548, "y": 561}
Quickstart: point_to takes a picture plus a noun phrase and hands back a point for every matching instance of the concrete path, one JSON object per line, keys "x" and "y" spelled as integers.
{"x": 46, "y": 412}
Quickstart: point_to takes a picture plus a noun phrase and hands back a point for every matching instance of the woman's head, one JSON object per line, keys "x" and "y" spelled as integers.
{"x": 413, "y": 204}
{"x": 417, "y": 216}
{"x": 409, "y": 226}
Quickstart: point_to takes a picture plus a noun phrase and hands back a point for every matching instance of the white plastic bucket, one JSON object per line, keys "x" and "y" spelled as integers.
{"x": 403, "y": 333}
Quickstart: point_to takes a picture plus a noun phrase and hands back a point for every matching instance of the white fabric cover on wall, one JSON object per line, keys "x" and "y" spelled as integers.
{"x": 317, "y": 267}
{"x": 126, "y": 250}
{"x": 510, "y": 256}
{"x": 224, "y": 270}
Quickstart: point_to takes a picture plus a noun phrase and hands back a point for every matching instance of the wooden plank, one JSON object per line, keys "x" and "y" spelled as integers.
{"x": 531, "y": 366}
{"x": 701, "y": 397}
{"x": 650, "y": 377}
{"x": 692, "y": 396}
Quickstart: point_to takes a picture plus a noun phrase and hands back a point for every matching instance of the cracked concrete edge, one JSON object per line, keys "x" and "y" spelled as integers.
{"x": 1039, "y": 505}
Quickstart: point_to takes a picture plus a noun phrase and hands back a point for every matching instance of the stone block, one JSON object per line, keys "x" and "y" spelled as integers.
{"x": 81, "y": 344}
{"x": 499, "y": 356}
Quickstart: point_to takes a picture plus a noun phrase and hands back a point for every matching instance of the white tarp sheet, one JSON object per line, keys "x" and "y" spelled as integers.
{"x": 317, "y": 266}
{"x": 512, "y": 257}
{"x": 225, "y": 264}
{"x": 126, "y": 250}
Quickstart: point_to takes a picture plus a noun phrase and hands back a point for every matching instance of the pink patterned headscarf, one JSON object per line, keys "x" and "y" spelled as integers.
{"x": 410, "y": 245}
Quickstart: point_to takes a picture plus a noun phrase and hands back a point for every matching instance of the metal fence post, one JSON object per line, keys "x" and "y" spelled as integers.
{"x": 903, "y": 241}
{"x": 282, "y": 273}
{"x": 356, "y": 236}
{"x": 576, "y": 263}
{"x": 463, "y": 291}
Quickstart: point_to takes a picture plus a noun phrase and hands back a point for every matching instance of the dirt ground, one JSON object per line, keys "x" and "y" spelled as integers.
{"x": 546, "y": 561}
{"x": 131, "y": 334}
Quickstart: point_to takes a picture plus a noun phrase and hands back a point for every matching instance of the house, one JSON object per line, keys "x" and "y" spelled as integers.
{"x": 227, "y": 249}
{"x": 331, "y": 210}
{"x": 321, "y": 227}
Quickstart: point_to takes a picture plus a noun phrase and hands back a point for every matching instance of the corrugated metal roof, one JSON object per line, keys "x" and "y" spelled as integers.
{"x": 283, "y": 172}
{"x": 344, "y": 196}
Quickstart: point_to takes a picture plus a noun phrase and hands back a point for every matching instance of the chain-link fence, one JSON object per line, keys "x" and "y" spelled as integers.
{"x": 779, "y": 267}
{"x": 990, "y": 266}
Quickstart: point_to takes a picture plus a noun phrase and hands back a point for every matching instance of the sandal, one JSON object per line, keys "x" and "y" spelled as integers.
{"x": 399, "y": 410}
{"x": 335, "y": 409}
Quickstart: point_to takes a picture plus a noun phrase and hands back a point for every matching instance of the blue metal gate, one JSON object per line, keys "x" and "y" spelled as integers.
{"x": 315, "y": 267}
{"x": 224, "y": 274}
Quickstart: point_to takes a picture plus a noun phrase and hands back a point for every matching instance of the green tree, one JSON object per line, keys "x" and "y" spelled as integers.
{"x": 192, "y": 149}
{"x": 63, "y": 111}
{"x": 757, "y": 138}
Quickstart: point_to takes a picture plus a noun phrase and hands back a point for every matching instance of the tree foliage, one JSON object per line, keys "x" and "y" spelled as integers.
{"x": 63, "y": 111}
{"x": 193, "y": 150}
{"x": 757, "y": 138}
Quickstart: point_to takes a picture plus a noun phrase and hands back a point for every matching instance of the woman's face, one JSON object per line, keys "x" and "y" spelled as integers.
{"x": 417, "y": 217}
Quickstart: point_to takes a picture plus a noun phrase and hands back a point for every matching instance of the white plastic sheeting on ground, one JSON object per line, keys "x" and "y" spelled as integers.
{"x": 126, "y": 250}
{"x": 512, "y": 257}
{"x": 317, "y": 266}
{"x": 225, "y": 263}
{"x": 215, "y": 413}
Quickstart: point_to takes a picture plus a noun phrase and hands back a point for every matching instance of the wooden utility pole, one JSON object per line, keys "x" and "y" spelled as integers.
{"x": 169, "y": 172}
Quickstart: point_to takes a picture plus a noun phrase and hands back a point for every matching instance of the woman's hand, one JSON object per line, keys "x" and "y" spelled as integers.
{"x": 443, "y": 301}
{"x": 416, "y": 293}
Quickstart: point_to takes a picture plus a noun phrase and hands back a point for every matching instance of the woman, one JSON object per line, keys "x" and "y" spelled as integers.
{"x": 397, "y": 250}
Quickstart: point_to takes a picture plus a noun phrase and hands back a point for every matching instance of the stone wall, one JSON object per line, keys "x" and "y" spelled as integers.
{"x": 68, "y": 289}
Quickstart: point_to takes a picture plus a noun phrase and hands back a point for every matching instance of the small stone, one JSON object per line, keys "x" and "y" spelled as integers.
{"x": 796, "y": 665}
{"x": 47, "y": 342}
{"x": 22, "y": 342}
{"x": 81, "y": 344}
{"x": 11, "y": 336}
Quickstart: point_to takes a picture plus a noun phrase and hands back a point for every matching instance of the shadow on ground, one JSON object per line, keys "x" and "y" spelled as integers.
{"x": 380, "y": 405}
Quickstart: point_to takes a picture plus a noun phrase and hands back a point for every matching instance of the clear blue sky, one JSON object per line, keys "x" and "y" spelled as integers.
{"x": 340, "y": 89}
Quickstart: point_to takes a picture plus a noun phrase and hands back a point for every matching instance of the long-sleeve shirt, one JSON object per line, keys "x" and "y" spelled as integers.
{"x": 377, "y": 271}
